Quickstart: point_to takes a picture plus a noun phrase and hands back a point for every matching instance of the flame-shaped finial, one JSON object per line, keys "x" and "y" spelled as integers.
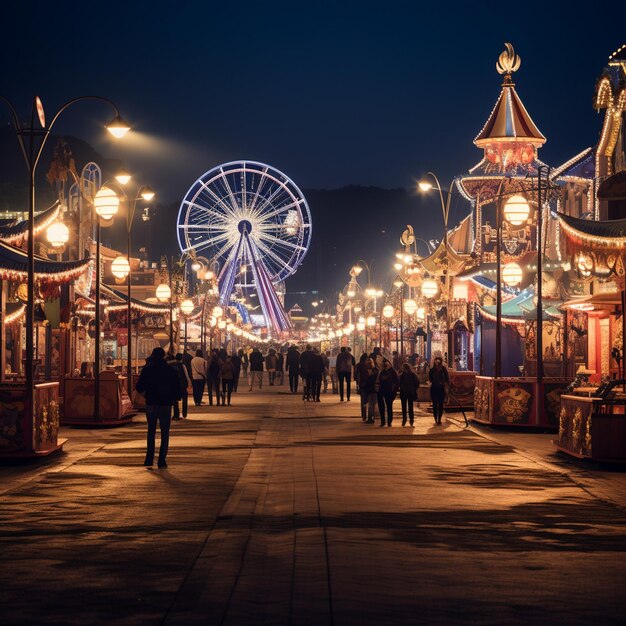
{"x": 508, "y": 62}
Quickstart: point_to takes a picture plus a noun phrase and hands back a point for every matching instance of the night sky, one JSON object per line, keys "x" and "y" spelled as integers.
{"x": 332, "y": 93}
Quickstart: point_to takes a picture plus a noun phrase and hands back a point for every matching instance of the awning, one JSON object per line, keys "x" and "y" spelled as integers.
{"x": 14, "y": 266}
{"x": 15, "y": 233}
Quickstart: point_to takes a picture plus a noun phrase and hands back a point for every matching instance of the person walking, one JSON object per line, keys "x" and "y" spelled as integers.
{"x": 387, "y": 390}
{"x": 198, "y": 377}
{"x": 161, "y": 384}
{"x": 344, "y": 372}
{"x": 236, "y": 359}
{"x": 256, "y": 367}
{"x": 326, "y": 359}
{"x": 315, "y": 373}
{"x": 439, "y": 380}
{"x": 409, "y": 384}
{"x": 280, "y": 368}
{"x": 213, "y": 378}
{"x": 293, "y": 367}
{"x": 305, "y": 360}
{"x": 270, "y": 365}
{"x": 185, "y": 382}
{"x": 367, "y": 387}
{"x": 227, "y": 374}
{"x": 243, "y": 354}
{"x": 397, "y": 361}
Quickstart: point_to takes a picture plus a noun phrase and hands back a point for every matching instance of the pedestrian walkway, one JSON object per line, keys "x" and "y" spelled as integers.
{"x": 278, "y": 511}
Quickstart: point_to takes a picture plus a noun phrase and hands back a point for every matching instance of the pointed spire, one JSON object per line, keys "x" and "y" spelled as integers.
{"x": 509, "y": 121}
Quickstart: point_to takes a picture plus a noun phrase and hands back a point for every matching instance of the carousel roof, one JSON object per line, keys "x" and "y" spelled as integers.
{"x": 592, "y": 301}
{"x": 14, "y": 265}
{"x": 460, "y": 237}
{"x": 509, "y": 121}
{"x": 16, "y": 232}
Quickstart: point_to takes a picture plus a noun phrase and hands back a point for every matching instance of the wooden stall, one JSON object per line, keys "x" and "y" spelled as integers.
{"x": 593, "y": 428}
{"x": 26, "y": 433}
{"x": 78, "y": 409}
{"x": 519, "y": 402}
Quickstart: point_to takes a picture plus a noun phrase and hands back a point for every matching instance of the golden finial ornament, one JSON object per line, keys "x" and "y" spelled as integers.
{"x": 407, "y": 238}
{"x": 508, "y": 62}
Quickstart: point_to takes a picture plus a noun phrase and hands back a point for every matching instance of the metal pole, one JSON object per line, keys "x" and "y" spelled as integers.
{"x": 185, "y": 333}
{"x": 129, "y": 326}
{"x": 539, "y": 281}
{"x": 498, "y": 364}
{"x": 402, "y": 320}
{"x": 171, "y": 267}
{"x": 96, "y": 374}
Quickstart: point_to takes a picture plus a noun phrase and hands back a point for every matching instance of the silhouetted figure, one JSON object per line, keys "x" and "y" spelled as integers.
{"x": 439, "y": 379}
{"x": 161, "y": 385}
{"x": 293, "y": 367}
{"x": 345, "y": 361}
{"x": 409, "y": 384}
{"x": 256, "y": 367}
{"x": 387, "y": 390}
{"x": 198, "y": 377}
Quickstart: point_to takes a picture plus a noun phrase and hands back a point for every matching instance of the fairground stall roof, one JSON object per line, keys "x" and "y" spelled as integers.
{"x": 444, "y": 260}
{"x": 521, "y": 309}
{"x": 14, "y": 266}
{"x": 16, "y": 232}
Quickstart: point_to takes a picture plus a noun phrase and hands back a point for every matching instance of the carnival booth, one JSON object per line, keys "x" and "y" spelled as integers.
{"x": 27, "y": 431}
{"x": 592, "y": 418}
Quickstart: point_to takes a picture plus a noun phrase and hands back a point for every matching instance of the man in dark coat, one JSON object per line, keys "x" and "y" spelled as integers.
{"x": 305, "y": 360}
{"x": 315, "y": 373}
{"x": 162, "y": 387}
{"x": 293, "y": 366}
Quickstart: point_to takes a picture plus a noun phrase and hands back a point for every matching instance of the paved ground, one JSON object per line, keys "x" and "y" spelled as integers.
{"x": 279, "y": 512}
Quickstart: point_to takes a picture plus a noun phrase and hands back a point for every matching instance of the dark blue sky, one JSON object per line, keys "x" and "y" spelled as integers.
{"x": 332, "y": 93}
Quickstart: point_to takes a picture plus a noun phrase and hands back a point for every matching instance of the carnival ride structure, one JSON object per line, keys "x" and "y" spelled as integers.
{"x": 254, "y": 222}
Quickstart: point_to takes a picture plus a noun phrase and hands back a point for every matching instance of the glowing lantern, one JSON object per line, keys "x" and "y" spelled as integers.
{"x": 58, "y": 234}
{"x": 221, "y": 324}
{"x": 371, "y": 321}
{"x": 106, "y": 203}
{"x": 118, "y": 127}
{"x": 420, "y": 313}
{"x": 410, "y": 306}
{"x": 187, "y": 306}
{"x": 430, "y": 288}
{"x": 388, "y": 311}
{"x": 163, "y": 292}
{"x": 123, "y": 178}
{"x": 218, "y": 312}
{"x": 147, "y": 194}
{"x": 120, "y": 267}
{"x": 360, "y": 326}
{"x": 516, "y": 210}
{"x": 512, "y": 274}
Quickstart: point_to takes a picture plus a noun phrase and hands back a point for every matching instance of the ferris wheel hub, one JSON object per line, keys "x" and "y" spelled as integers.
{"x": 245, "y": 226}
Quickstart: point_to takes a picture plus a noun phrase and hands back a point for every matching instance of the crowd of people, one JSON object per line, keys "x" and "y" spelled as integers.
{"x": 165, "y": 381}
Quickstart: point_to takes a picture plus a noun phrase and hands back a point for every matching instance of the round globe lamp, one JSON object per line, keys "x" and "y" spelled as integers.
{"x": 410, "y": 306}
{"x": 106, "y": 203}
{"x": 371, "y": 321}
{"x": 420, "y": 314}
{"x": 430, "y": 288}
{"x": 58, "y": 234}
{"x": 120, "y": 267}
{"x": 512, "y": 274}
{"x": 163, "y": 292}
{"x": 218, "y": 312}
{"x": 388, "y": 311}
{"x": 186, "y": 306}
{"x": 516, "y": 210}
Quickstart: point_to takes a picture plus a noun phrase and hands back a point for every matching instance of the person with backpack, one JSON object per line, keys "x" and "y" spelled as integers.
{"x": 409, "y": 384}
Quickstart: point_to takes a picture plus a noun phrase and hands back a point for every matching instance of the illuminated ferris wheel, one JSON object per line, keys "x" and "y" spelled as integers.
{"x": 255, "y": 222}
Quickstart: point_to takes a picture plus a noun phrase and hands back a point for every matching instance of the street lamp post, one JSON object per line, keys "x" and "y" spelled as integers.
{"x": 31, "y": 150}
{"x": 146, "y": 194}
